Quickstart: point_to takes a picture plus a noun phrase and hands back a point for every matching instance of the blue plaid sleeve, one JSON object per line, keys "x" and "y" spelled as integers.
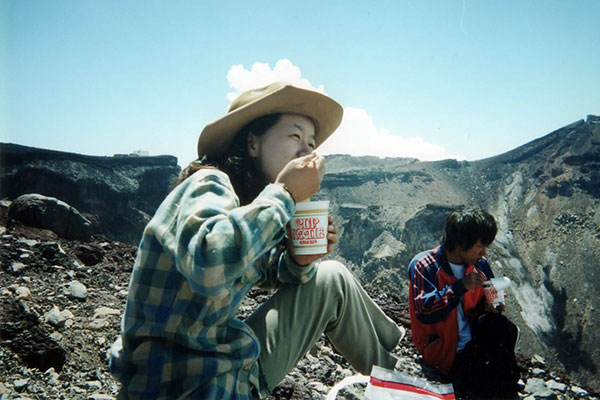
{"x": 214, "y": 238}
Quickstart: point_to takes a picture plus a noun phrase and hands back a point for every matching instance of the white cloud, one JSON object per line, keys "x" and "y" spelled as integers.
{"x": 357, "y": 135}
{"x": 241, "y": 79}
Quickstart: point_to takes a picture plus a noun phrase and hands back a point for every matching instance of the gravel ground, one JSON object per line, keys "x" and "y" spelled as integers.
{"x": 60, "y": 308}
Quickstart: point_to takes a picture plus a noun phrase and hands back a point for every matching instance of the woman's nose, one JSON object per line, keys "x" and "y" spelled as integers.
{"x": 304, "y": 150}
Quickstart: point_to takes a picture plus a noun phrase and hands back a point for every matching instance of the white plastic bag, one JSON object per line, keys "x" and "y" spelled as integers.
{"x": 386, "y": 384}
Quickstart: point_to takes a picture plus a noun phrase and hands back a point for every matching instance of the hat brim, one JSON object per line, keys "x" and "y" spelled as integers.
{"x": 326, "y": 113}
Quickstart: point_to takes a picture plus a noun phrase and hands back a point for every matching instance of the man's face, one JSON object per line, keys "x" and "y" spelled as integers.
{"x": 472, "y": 255}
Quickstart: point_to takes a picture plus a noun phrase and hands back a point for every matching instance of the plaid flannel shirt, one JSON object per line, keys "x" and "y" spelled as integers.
{"x": 198, "y": 257}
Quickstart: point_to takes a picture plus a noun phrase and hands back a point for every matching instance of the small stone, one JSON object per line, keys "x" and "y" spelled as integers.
{"x": 538, "y": 388}
{"x": 98, "y": 324}
{"x": 21, "y": 384}
{"x": 534, "y": 384}
{"x": 104, "y": 311}
{"x": 28, "y": 242}
{"x": 76, "y": 290}
{"x": 538, "y": 372}
{"x": 93, "y": 385}
{"x": 52, "y": 377}
{"x": 319, "y": 387}
{"x": 311, "y": 359}
{"x": 579, "y": 391}
{"x": 538, "y": 360}
{"x": 58, "y": 318}
{"x": 22, "y": 292}
{"x": 17, "y": 266}
{"x": 552, "y": 384}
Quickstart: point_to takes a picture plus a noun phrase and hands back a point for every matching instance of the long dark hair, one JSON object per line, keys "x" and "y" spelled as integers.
{"x": 246, "y": 179}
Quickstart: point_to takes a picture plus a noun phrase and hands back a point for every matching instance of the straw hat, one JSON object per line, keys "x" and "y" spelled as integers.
{"x": 280, "y": 97}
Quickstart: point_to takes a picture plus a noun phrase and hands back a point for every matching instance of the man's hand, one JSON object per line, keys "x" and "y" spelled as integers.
{"x": 332, "y": 239}
{"x": 473, "y": 280}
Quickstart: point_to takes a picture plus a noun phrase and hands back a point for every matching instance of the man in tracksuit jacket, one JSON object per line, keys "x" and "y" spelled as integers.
{"x": 453, "y": 326}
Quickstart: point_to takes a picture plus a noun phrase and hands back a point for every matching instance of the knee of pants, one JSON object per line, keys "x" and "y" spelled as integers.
{"x": 333, "y": 283}
{"x": 333, "y": 273}
{"x": 333, "y": 276}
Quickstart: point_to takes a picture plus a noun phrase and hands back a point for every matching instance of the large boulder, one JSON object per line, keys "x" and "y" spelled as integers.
{"x": 50, "y": 213}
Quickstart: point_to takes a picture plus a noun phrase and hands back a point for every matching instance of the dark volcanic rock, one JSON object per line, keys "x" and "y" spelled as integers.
{"x": 50, "y": 213}
{"x": 118, "y": 193}
{"x": 88, "y": 255}
{"x": 22, "y": 332}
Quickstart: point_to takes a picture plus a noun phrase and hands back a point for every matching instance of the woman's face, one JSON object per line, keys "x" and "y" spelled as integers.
{"x": 291, "y": 137}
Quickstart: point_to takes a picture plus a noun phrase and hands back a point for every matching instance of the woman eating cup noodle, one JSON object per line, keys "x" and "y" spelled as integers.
{"x": 222, "y": 231}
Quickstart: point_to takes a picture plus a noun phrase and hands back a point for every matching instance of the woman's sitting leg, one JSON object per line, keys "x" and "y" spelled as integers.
{"x": 334, "y": 303}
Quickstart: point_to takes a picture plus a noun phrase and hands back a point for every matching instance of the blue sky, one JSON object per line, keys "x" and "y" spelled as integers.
{"x": 426, "y": 79}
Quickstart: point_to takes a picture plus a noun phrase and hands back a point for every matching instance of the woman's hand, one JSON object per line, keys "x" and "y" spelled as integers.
{"x": 302, "y": 176}
{"x": 332, "y": 239}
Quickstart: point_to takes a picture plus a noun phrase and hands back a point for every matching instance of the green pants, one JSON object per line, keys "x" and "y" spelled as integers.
{"x": 334, "y": 303}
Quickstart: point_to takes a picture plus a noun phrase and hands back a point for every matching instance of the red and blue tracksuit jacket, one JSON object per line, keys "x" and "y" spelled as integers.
{"x": 434, "y": 294}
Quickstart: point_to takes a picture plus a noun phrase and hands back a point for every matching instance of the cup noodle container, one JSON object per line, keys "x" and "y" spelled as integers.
{"x": 309, "y": 227}
{"x": 494, "y": 290}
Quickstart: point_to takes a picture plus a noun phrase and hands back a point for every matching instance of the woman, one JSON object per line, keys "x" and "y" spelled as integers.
{"x": 221, "y": 231}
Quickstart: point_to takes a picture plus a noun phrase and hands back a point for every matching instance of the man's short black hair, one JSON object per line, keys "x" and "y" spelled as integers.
{"x": 464, "y": 227}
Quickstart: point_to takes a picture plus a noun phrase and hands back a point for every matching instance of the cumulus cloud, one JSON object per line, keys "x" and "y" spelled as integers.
{"x": 357, "y": 135}
{"x": 261, "y": 74}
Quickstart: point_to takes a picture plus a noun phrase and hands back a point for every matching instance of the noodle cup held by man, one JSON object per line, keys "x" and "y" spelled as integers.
{"x": 494, "y": 290}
